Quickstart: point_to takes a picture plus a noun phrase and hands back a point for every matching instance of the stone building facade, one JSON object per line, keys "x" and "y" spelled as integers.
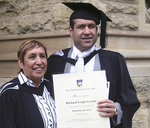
{"x": 47, "y": 21}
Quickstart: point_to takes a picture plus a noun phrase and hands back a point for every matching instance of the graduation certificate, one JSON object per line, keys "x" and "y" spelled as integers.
{"x": 76, "y": 96}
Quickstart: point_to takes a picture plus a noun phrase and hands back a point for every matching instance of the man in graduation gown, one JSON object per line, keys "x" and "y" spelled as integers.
{"x": 122, "y": 102}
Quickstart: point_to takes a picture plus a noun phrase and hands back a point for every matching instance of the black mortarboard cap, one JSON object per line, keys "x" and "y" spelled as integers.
{"x": 89, "y": 12}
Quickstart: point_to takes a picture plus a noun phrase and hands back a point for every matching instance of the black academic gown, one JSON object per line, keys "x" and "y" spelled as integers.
{"x": 121, "y": 87}
{"x": 18, "y": 108}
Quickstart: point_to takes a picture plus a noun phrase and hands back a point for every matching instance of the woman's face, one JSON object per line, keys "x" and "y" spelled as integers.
{"x": 35, "y": 64}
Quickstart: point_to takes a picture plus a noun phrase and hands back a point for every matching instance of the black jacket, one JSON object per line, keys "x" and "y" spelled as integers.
{"x": 18, "y": 108}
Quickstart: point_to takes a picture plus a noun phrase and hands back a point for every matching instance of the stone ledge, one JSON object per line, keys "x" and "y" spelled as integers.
{"x": 128, "y": 33}
{"x": 65, "y": 33}
{"x": 133, "y": 53}
{"x": 133, "y": 45}
{"x": 35, "y": 35}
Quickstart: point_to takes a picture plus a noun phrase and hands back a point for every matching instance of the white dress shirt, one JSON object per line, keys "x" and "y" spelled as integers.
{"x": 90, "y": 65}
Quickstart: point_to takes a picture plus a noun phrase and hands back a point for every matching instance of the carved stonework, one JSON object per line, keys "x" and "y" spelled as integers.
{"x": 147, "y": 4}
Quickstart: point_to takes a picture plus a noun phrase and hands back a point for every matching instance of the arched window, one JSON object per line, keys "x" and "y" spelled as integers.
{"x": 147, "y": 18}
{"x": 147, "y": 3}
{"x": 144, "y": 15}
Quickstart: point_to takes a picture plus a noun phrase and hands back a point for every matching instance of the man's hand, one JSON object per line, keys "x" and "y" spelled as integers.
{"x": 106, "y": 108}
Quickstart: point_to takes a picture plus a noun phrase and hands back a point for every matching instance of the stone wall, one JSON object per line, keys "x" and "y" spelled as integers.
{"x": 36, "y": 16}
{"x": 47, "y": 21}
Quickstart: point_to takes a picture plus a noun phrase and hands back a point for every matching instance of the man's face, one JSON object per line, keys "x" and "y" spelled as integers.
{"x": 84, "y": 34}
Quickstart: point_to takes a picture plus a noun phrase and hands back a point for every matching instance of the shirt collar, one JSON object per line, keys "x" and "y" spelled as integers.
{"x": 75, "y": 51}
{"x": 23, "y": 79}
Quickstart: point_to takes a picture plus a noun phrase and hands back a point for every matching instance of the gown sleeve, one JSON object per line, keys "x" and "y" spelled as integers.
{"x": 121, "y": 86}
{"x": 6, "y": 111}
{"x": 128, "y": 97}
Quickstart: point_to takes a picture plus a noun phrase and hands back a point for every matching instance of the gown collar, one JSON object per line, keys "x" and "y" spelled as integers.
{"x": 72, "y": 60}
{"x": 27, "y": 85}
